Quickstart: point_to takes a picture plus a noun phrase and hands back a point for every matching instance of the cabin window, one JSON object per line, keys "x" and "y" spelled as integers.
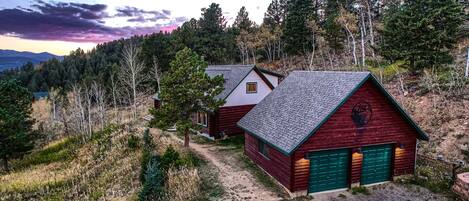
{"x": 202, "y": 118}
{"x": 263, "y": 148}
{"x": 251, "y": 87}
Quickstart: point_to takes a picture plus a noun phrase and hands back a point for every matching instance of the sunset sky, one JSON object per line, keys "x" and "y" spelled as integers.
{"x": 61, "y": 26}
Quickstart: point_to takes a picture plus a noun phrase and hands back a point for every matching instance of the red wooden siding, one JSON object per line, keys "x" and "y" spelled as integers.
{"x": 386, "y": 126}
{"x": 156, "y": 104}
{"x": 224, "y": 120}
{"x": 229, "y": 116}
{"x": 277, "y": 165}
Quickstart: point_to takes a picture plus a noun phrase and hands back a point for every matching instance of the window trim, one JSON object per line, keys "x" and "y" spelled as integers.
{"x": 263, "y": 149}
{"x": 202, "y": 119}
{"x": 247, "y": 87}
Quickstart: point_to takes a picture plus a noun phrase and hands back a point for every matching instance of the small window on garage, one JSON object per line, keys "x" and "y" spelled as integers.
{"x": 251, "y": 87}
{"x": 263, "y": 148}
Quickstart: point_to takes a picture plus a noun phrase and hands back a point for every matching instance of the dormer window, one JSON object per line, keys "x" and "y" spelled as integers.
{"x": 251, "y": 87}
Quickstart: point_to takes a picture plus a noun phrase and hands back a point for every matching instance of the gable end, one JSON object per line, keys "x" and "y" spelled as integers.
{"x": 255, "y": 69}
{"x": 421, "y": 134}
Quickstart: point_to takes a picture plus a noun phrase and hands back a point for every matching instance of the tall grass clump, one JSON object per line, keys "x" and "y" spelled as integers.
{"x": 182, "y": 184}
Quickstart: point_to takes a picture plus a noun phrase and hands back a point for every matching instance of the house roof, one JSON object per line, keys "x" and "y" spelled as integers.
{"x": 233, "y": 75}
{"x": 156, "y": 96}
{"x": 293, "y": 112}
{"x": 40, "y": 94}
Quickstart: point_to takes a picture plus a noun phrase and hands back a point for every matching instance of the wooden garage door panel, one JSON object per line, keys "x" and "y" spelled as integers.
{"x": 328, "y": 170}
{"x": 376, "y": 164}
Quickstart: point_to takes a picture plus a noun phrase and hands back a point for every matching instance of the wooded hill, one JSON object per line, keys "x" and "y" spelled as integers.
{"x": 295, "y": 34}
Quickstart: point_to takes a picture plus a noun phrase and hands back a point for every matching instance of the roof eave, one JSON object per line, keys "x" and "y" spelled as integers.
{"x": 265, "y": 141}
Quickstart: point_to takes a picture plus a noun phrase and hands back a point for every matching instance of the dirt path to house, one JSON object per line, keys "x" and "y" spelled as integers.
{"x": 239, "y": 184}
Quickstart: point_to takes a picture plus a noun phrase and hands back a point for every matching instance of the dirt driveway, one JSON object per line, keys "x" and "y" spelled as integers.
{"x": 240, "y": 184}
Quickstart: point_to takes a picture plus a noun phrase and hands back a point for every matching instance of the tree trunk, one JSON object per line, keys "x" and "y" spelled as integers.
{"x": 370, "y": 22}
{"x": 362, "y": 33}
{"x": 186, "y": 138}
{"x": 354, "y": 48}
{"x": 5, "y": 164}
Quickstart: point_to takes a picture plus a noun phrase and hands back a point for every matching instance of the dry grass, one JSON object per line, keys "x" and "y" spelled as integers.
{"x": 183, "y": 184}
{"x": 102, "y": 168}
{"x": 441, "y": 113}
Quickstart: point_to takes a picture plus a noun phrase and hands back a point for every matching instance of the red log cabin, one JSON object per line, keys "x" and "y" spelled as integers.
{"x": 325, "y": 131}
{"x": 244, "y": 87}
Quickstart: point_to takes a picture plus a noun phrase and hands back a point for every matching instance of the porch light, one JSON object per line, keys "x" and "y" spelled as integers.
{"x": 401, "y": 146}
{"x": 357, "y": 150}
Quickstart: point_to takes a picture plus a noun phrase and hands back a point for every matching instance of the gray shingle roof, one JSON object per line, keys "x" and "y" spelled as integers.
{"x": 299, "y": 105}
{"x": 233, "y": 75}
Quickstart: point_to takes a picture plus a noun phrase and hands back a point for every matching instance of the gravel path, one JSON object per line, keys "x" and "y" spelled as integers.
{"x": 385, "y": 192}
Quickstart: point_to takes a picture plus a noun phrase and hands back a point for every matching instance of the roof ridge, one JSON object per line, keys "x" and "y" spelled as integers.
{"x": 331, "y": 71}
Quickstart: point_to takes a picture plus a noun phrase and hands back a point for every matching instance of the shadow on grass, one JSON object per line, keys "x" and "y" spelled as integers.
{"x": 62, "y": 150}
{"x": 234, "y": 141}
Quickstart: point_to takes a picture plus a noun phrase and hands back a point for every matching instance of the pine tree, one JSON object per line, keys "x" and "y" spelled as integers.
{"x": 421, "y": 32}
{"x": 211, "y": 42}
{"x": 185, "y": 35}
{"x": 275, "y": 14}
{"x": 297, "y": 36}
{"x": 186, "y": 89}
{"x": 16, "y": 134}
{"x": 334, "y": 34}
{"x": 242, "y": 21}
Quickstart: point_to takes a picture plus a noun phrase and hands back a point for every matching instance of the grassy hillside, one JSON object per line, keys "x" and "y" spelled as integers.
{"x": 105, "y": 166}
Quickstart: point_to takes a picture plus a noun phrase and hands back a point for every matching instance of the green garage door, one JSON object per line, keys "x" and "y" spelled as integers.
{"x": 328, "y": 170}
{"x": 376, "y": 165}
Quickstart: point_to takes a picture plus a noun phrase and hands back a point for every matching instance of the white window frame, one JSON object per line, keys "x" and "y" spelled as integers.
{"x": 251, "y": 92}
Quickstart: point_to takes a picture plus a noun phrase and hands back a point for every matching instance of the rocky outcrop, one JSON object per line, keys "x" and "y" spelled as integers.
{"x": 461, "y": 185}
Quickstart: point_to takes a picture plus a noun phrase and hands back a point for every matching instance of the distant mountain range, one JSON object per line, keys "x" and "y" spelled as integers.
{"x": 12, "y": 59}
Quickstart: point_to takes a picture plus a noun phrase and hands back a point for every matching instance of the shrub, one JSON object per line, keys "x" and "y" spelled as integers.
{"x": 148, "y": 140}
{"x": 153, "y": 188}
{"x": 170, "y": 158}
{"x": 360, "y": 189}
{"x": 132, "y": 142}
{"x": 436, "y": 180}
{"x": 146, "y": 155}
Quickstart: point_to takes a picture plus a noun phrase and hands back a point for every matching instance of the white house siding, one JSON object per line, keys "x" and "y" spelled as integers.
{"x": 239, "y": 95}
{"x": 273, "y": 79}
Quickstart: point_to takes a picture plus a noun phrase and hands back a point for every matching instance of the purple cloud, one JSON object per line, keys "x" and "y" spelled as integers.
{"x": 84, "y": 11}
{"x": 140, "y": 15}
{"x": 77, "y": 22}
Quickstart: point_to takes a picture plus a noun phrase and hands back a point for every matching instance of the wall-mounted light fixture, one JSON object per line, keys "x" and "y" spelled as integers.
{"x": 401, "y": 146}
{"x": 357, "y": 150}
